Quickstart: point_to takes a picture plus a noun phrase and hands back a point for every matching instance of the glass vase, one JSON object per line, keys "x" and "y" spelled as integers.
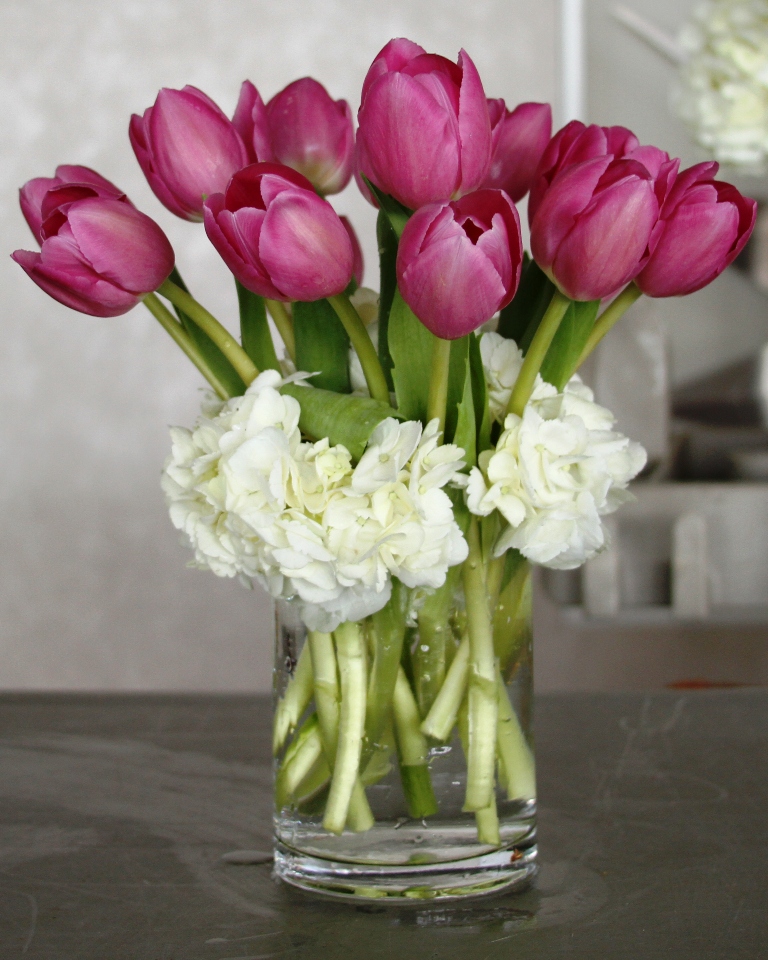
{"x": 403, "y": 769}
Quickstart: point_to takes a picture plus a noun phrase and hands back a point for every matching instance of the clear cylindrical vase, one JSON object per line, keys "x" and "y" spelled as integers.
{"x": 404, "y": 765}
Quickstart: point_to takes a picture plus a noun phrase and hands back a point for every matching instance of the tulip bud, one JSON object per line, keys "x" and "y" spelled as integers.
{"x": 519, "y": 138}
{"x": 99, "y": 255}
{"x": 574, "y": 143}
{"x": 591, "y": 232}
{"x": 187, "y": 149}
{"x": 44, "y": 196}
{"x": 424, "y": 132}
{"x": 702, "y": 228}
{"x": 278, "y": 237}
{"x": 313, "y": 134}
{"x": 458, "y": 263}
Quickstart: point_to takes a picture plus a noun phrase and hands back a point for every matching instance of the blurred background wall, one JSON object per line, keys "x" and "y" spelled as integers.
{"x": 94, "y": 592}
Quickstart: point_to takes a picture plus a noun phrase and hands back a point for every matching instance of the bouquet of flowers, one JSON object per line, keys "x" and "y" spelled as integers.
{"x": 391, "y": 463}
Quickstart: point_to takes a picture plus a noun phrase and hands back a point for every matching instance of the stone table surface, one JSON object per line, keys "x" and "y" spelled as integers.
{"x": 116, "y": 810}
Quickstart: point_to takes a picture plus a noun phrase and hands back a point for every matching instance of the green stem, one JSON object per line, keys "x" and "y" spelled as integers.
{"x": 430, "y": 657}
{"x": 412, "y": 751}
{"x": 487, "y": 819}
{"x": 515, "y": 757}
{"x": 482, "y": 695}
{"x": 350, "y": 653}
{"x": 294, "y": 701}
{"x": 534, "y": 358}
{"x": 369, "y": 359}
{"x": 438, "y": 381}
{"x": 284, "y": 324}
{"x": 210, "y": 325}
{"x": 441, "y": 718}
{"x": 326, "y": 689}
{"x": 299, "y": 760}
{"x": 607, "y": 319}
{"x": 180, "y": 336}
{"x": 388, "y": 635}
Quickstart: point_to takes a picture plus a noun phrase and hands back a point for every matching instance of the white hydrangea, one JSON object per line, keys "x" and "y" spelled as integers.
{"x": 722, "y": 90}
{"x": 502, "y": 360}
{"x": 553, "y": 474}
{"x": 254, "y": 499}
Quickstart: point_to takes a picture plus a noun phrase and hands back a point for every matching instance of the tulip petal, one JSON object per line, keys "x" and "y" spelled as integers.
{"x": 519, "y": 141}
{"x": 569, "y": 194}
{"x": 31, "y": 198}
{"x": 250, "y": 121}
{"x": 392, "y": 57}
{"x": 122, "y": 245}
{"x": 408, "y": 147}
{"x": 138, "y": 137}
{"x": 305, "y": 248}
{"x": 604, "y": 249}
{"x": 225, "y": 237}
{"x": 72, "y": 284}
{"x": 452, "y": 287}
{"x": 474, "y": 127}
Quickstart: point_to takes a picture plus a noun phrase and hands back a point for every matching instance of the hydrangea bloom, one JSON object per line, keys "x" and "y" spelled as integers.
{"x": 722, "y": 92}
{"x": 553, "y": 474}
{"x": 254, "y": 499}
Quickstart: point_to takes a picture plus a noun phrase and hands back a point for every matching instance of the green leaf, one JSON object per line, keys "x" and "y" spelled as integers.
{"x": 387, "y": 240}
{"x": 322, "y": 344}
{"x": 479, "y": 395}
{"x": 339, "y": 416}
{"x": 397, "y": 214}
{"x": 411, "y": 346}
{"x": 466, "y": 427}
{"x": 520, "y": 319}
{"x": 254, "y": 329}
{"x": 225, "y": 372}
{"x": 457, "y": 375}
{"x": 569, "y": 341}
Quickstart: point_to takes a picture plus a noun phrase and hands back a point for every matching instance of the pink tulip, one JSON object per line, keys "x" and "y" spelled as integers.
{"x": 519, "y": 138}
{"x": 424, "y": 132}
{"x": 99, "y": 255}
{"x": 592, "y": 229}
{"x": 358, "y": 264}
{"x": 187, "y": 148}
{"x": 46, "y": 196}
{"x": 313, "y": 134}
{"x": 278, "y": 237}
{"x": 574, "y": 143}
{"x": 459, "y": 262}
{"x": 702, "y": 228}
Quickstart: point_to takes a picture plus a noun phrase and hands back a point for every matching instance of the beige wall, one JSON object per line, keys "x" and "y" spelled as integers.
{"x": 93, "y": 586}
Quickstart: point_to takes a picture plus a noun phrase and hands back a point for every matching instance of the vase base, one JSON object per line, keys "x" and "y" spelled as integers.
{"x": 505, "y": 869}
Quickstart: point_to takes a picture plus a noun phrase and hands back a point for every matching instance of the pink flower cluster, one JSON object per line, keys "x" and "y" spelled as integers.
{"x": 604, "y": 211}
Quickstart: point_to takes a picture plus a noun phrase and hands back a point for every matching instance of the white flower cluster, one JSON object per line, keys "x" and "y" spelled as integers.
{"x": 254, "y": 499}
{"x": 554, "y": 472}
{"x": 722, "y": 92}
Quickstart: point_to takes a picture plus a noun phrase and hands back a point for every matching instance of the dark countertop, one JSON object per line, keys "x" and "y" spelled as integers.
{"x": 115, "y": 812}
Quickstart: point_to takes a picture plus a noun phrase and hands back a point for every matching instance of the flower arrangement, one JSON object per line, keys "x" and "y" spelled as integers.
{"x": 722, "y": 87}
{"x": 390, "y": 464}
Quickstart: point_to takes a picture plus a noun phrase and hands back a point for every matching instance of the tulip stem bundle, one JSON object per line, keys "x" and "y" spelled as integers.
{"x": 438, "y": 381}
{"x": 182, "y": 339}
{"x": 369, "y": 358}
{"x": 211, "y": 326}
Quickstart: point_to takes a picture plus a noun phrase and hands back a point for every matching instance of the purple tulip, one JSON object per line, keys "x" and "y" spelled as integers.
{"x": 278, "y": 237}
{"x": 46, "y": 196}
{"x": 592, "y": 229}
{"x": 99, "y": 256}
{"x": 313, "y": 134}
{"x": 702, "y": 228}
{"x": 251, "y": 123}
{"x": 459, "y": 262}
{"x": 424, "y": 132}
{"x": 574, "y": 143}
{"x": 187, "y": 148}
{"x": 519, "y": 138}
